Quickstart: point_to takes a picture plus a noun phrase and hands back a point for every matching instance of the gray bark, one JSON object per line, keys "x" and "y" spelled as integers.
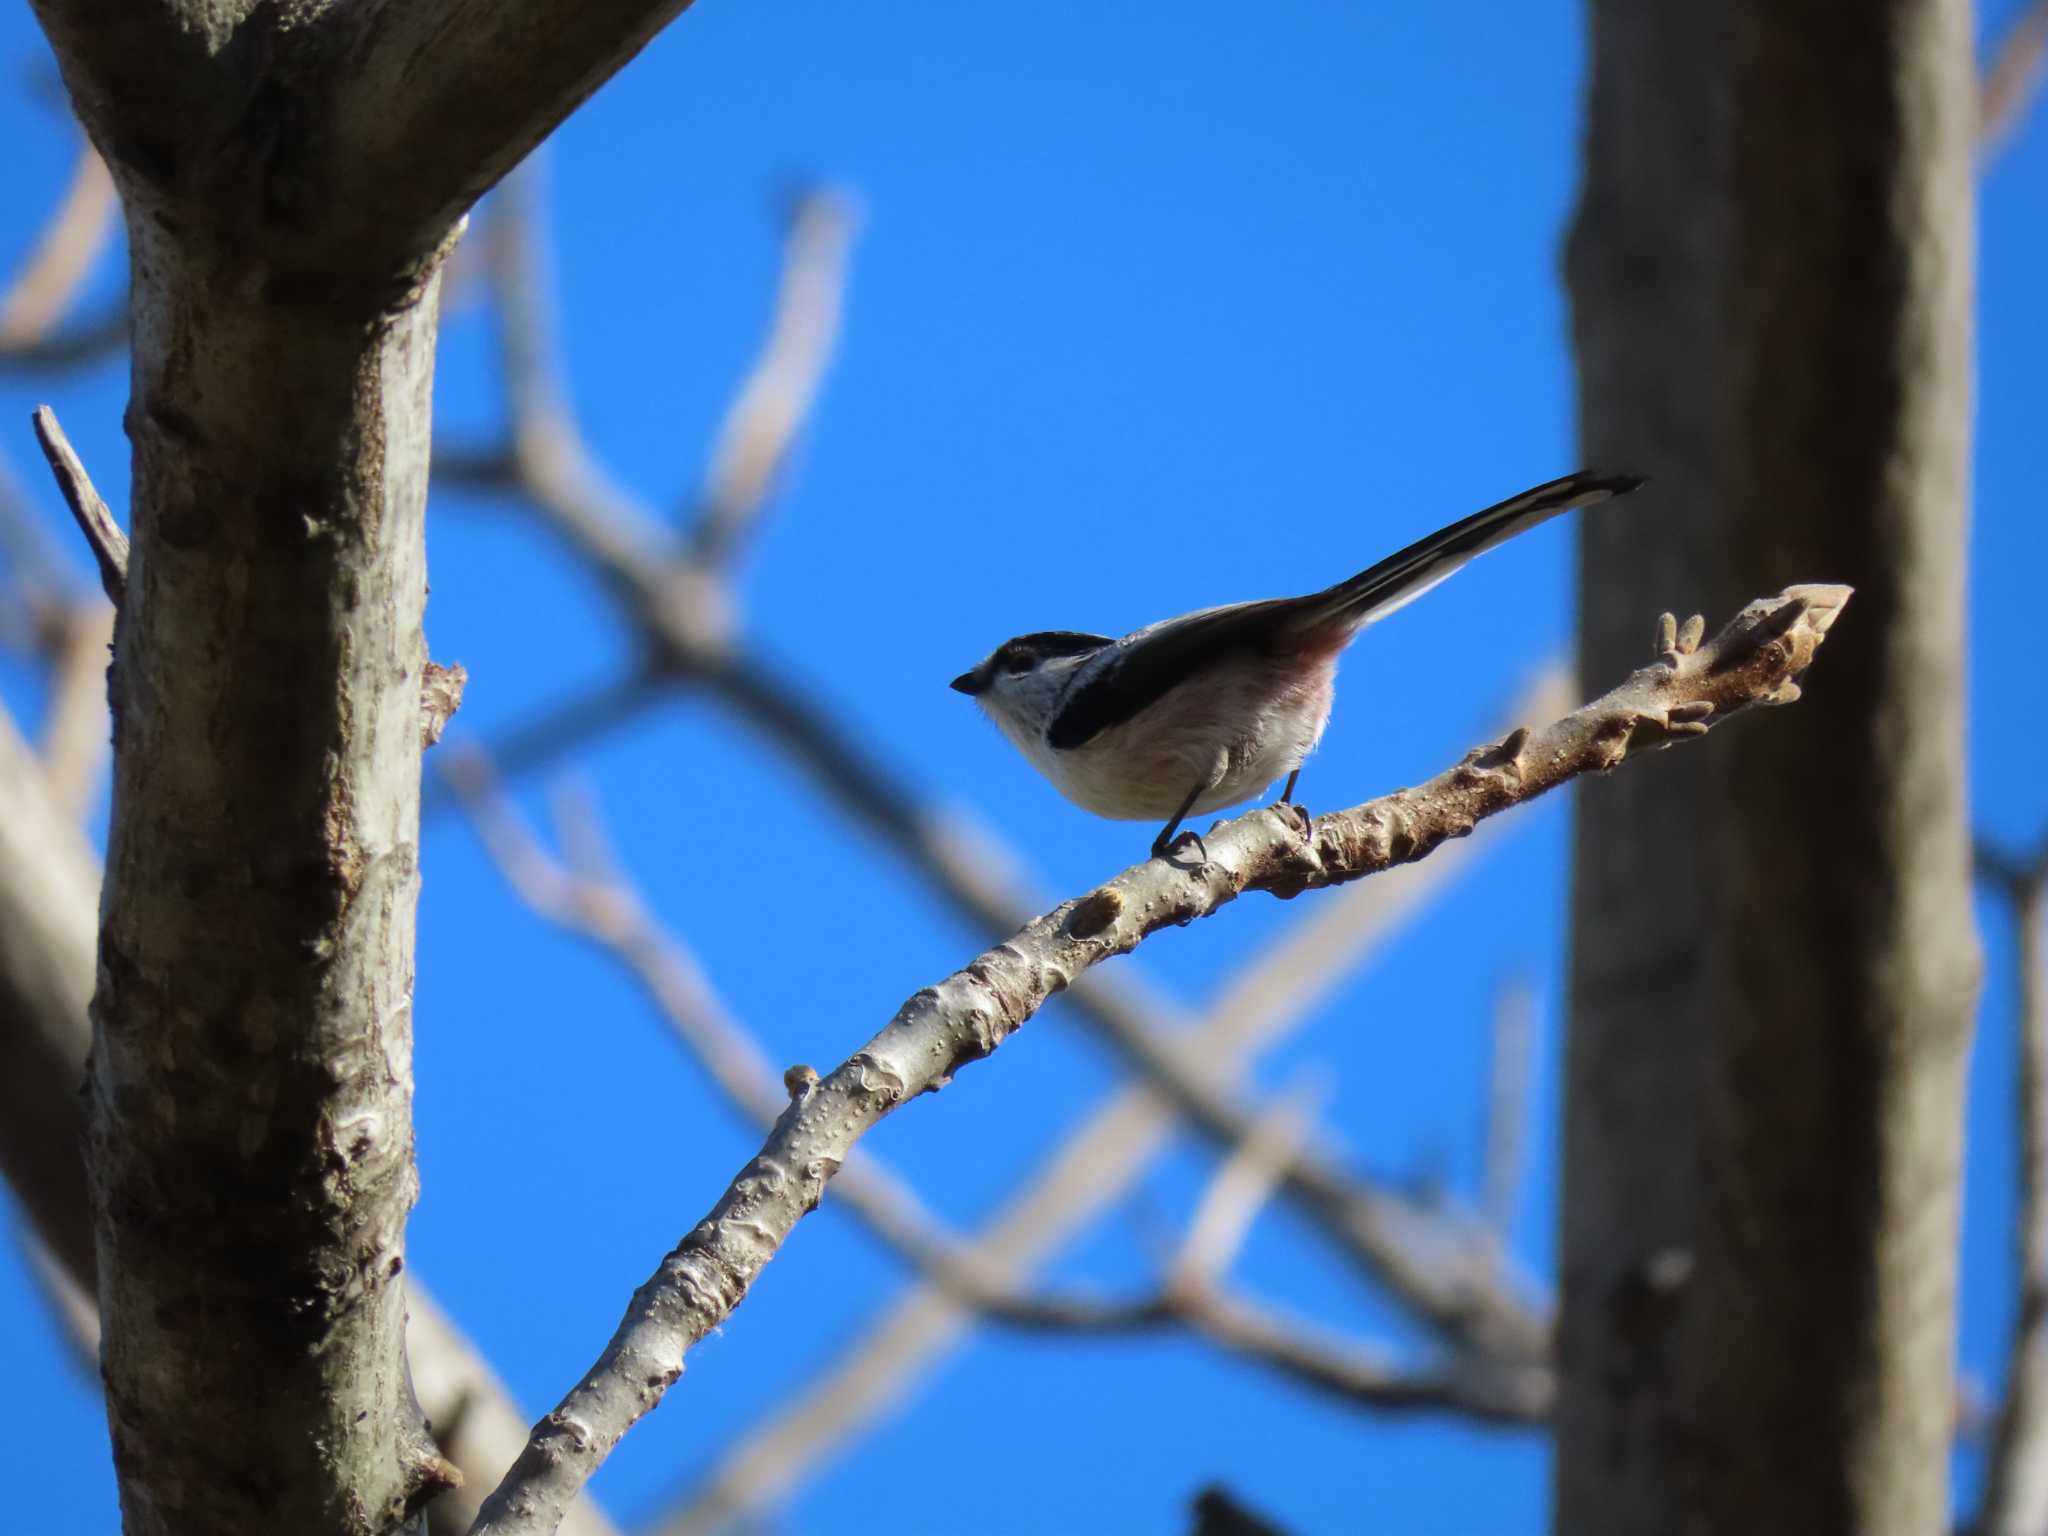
{"x": 291, "y": 177}
{"x": 1771, "y": 291}
{"x": 49, "y": 894}
{"x": 1646, "y": 247}
{"x": 249, "y": 1093}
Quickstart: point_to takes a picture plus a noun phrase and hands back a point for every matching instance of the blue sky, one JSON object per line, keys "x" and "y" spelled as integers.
{"x": 1144, "y": 315}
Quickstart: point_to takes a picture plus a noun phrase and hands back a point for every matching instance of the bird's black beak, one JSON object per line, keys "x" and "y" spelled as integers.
{"x": 968, "y": 683}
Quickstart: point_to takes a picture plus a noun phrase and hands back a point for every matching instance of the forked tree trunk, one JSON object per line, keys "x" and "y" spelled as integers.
{"x": 292, "y": 177}
{"x": 1774, "y": 969}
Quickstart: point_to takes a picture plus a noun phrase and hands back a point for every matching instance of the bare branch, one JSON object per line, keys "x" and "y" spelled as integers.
{"x": 476, "y": 1420}
{"x": 549, "y": 461}
{"x": 625, "y": 556}
{"x": 63, "y": 257}
{"x": 1102, "y": 1158}
{"x": 2013, "y": 78}
{"x": 95, "y": 521}
{"x": 74, "y": 347}
{"x": 49, "y": 897}
{"x": 686, "y": 616}
{"x": 590, "y": 896}
{"x": 2015, "y": 1501}
{"x": 765, "y": 416}
{"x": 1756, "y": 659}
{"x": 49, "y": 905}
{"x": 1239, "y": 1191}
{"x": 1387, "y": 1234}
{"x": 76, "y": 1313}
{"x": 1507, "y": 1105}
{"x": 1501, "y": 1392}
{"x": 83, "y": 342}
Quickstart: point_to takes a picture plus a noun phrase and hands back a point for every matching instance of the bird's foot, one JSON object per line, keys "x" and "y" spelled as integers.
{"x": 1289, "y": 810}
{"x": 1165, "y": 848}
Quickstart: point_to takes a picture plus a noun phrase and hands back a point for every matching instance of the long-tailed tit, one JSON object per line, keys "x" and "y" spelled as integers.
{"x": 1200, "y": 712}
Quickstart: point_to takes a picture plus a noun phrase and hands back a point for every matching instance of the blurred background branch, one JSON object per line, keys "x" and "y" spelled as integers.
{"x": 2015, "y": 1498}
{"x": 687, "y": 619}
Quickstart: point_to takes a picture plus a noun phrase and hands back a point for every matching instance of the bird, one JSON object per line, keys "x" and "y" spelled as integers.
{"x": 1201, "y": 712}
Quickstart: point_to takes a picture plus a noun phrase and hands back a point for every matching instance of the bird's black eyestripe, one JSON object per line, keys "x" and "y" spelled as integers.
{"x": 1026, "y": 651}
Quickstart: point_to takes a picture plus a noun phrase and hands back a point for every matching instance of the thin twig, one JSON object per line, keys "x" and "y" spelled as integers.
{"x": 590, "y": 895}
{"x": 1494, "y": 1392}
{"x": 1756, "y": 659}
{"x": 1102, "y": 1158}
{"x": 1265, "y": 1002}
{"x": 2015, "y": 1501}
{"x": 768, "y": 412}
{"x": 95, "y": 521}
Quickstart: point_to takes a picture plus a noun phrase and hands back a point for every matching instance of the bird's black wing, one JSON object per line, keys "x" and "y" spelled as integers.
{"x": 1139, "y": 668}
{"x": 1111, "y": 688}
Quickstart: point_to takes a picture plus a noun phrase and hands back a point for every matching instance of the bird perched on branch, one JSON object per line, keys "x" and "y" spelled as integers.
{"x": 1197, "y": 713}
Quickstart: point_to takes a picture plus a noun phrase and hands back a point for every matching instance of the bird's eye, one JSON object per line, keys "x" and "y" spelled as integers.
{"x": 1016, "y": 661}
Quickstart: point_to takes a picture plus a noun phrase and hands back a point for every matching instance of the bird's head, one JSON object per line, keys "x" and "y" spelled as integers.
{"x": 1020, "y": 681}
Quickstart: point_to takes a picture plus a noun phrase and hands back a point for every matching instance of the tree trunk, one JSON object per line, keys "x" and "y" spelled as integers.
{"x": 1774, "y": 968}
{"x": 292, "y": 177}
{"x": 249, "y": 1120}
{"x": 1640, "y": 265}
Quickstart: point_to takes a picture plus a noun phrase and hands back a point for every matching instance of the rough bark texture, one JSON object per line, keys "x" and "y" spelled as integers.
{"x": 291, "y": 176}
{"x": 49, "y": 897}
{"x": 1771, "y": 286}
{"x": 250, "y": 1088}
{"x": 1640, "y": 265}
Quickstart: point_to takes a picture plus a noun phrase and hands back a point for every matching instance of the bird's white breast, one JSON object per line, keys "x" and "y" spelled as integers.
{"x": 1242, "y": 727}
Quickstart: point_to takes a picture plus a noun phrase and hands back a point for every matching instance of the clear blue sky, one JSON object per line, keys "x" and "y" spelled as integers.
{"x": 1146, "y": 314}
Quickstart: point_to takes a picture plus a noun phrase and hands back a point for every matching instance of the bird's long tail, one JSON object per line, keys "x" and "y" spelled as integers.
{"x": 1402, "y": 577}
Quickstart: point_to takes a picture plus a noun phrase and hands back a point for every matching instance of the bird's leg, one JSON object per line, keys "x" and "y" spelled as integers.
{"x": 1287, "y": 799}
{"x": 1164, "y": 841}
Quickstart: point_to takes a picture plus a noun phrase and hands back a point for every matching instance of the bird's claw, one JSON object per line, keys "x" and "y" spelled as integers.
{"x": 1289, "y": 810}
